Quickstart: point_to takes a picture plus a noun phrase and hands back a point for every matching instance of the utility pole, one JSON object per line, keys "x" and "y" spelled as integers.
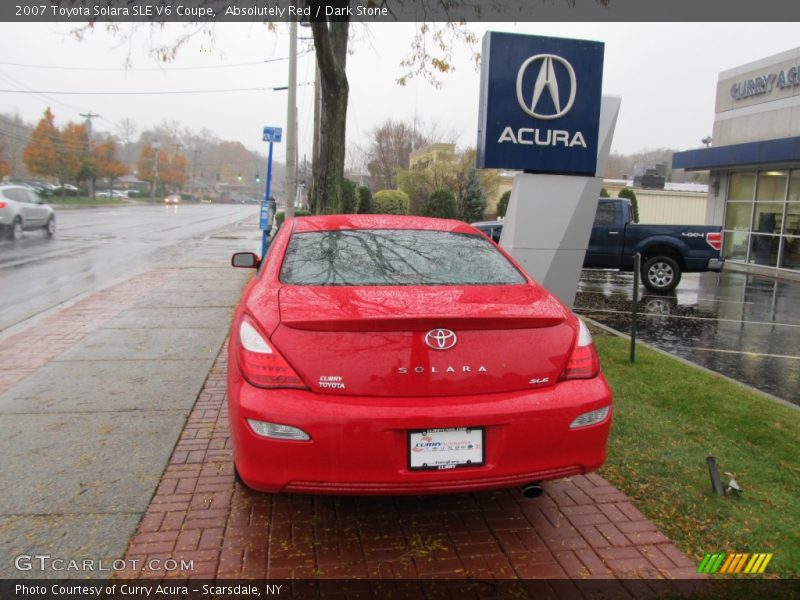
{"x": 290, "y": 184}
{"x": 156, "y": 147}
{"x": 191, "y": 181}
{"x": 88, "y": 116}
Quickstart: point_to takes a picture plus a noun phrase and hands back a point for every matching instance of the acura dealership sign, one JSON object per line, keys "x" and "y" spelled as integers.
{"x": 539, "y": 104}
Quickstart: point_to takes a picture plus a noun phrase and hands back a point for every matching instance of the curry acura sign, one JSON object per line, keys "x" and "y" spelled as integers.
{"x": 539, "y": 104}
{"x": 762, "y": 84}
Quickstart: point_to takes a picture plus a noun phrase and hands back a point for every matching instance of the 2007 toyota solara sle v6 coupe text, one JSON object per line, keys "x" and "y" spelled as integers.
{"x": 401, "y": 355}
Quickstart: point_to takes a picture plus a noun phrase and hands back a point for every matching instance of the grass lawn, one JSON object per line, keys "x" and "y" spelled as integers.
{"x": 81, "y": 200}
{"x": 667, "y": 418}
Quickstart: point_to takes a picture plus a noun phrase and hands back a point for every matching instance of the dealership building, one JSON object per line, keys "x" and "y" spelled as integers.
{"x": 754, "y": 164}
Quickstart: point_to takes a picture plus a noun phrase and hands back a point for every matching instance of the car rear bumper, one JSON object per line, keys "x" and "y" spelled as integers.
{"x": 716, "y": 264}
{"x": 359, "y": 445}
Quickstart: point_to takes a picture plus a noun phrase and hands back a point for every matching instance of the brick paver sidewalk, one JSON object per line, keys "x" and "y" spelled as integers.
{"x": 581, "y": 528}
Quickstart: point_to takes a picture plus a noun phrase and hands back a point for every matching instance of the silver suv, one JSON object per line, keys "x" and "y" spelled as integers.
{"x": 21, "y": 209}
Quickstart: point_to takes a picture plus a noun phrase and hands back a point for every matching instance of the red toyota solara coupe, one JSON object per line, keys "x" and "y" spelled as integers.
{"x": 376, "y": 354}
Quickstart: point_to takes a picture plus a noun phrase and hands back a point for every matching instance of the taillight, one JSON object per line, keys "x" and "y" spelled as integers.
{"x": 2, "y": 204}
{"x": 261, "y": 364}
{"x": 714, "y": 240}
{"x": 583, "y": 364}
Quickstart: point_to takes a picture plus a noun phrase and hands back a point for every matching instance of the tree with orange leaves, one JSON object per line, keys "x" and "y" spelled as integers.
{"x": 74, "y": 152}
{"x": 5, "y": 166}
{"x": 173, "y": 173}
{"x": 106, "y": 162}
{"x": 171, "y": 169}
{"x": 41, "y": 154}
{"x": 54, "y": 153}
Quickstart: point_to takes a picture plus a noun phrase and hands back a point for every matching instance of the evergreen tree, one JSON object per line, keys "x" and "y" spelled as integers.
{"x": 365, "y": 204}
{"x": 502, "y": 204}
{"x": 628, "y": 193}
{"x": 349, "y": 197}
{"x": 474, "y": 200}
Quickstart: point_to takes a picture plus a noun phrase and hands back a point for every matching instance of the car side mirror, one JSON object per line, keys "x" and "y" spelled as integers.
{"x": 245, "y": 260}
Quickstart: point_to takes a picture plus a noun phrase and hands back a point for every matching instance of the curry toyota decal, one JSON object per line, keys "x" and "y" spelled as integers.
{"x": 540, "y": 104}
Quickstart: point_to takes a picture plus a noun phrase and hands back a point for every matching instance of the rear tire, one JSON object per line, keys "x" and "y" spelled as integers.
{"x": 15, "y": 232}
{"x": 661, "y": 274}
{"x": 50, "y": 228}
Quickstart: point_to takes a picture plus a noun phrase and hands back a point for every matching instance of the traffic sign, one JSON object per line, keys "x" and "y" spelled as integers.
{"x": 272, "y": 134}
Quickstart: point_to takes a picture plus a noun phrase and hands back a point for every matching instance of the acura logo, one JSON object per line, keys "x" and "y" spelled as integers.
{"x": 440, "y": 339}
{"x": 546, "y": 80}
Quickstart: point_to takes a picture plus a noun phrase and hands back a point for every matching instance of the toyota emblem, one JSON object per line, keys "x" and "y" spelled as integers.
{"x": 440, "y": 339}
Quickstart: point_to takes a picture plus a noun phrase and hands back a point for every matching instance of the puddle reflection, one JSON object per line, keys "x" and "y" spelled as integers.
{"x": 744, "y": 326}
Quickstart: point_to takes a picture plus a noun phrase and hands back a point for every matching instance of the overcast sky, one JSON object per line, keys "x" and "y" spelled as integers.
{"x": 666, "y": 74}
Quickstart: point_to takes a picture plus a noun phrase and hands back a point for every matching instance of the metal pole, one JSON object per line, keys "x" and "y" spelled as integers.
{"x": 637, "y": 265}
{"x": 291, "y": 123}
{"x": 264, "y": 233}
{"x": 88, "y": 116}
{"x": 194, "y": 164}
{"x": 156, "y": 148}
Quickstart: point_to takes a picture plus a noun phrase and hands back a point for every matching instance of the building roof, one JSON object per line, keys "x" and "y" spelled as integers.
{"x": 734, "y": 155}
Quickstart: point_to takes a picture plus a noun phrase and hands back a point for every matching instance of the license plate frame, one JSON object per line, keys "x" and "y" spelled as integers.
{"x": 461, "y": 447}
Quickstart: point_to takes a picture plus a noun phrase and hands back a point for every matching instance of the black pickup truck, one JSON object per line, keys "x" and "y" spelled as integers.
{"x": 667, "y": 250}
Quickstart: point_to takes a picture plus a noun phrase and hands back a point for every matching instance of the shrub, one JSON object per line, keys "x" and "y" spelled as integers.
{"x": 441, "y": 204}
{"x": 502, "y": 204}
{"x": 604, "y": 193}
{"x": 391, "y": 202}
{"x": 298, "y": 212}
{"x": 628, "y": 193}
{"x": 365, "y": 204}
{"x": 349, "y": 197}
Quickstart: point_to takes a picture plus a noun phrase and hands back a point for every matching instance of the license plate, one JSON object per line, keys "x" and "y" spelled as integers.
{"x": 440, "y": 449}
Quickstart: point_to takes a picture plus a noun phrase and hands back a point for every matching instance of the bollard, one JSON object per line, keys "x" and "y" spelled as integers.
{"x": 637, "y": 267}
{"x": 716, "y": 482}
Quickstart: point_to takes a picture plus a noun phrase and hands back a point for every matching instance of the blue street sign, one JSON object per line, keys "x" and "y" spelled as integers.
{"x": 272, "y": 134}
{"x": 539, "y": 104}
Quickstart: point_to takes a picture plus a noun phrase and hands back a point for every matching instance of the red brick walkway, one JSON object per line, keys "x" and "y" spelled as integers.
{"x": 582, "y": 528}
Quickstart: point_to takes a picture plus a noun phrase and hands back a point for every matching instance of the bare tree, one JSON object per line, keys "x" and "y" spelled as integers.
{"x": 389, "y": 149}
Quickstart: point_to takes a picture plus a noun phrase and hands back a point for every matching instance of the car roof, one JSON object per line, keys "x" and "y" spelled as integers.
{"x": 334, "y": 222}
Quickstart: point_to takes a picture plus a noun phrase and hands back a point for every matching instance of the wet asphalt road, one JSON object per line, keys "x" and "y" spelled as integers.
{"x": 744, "y": 326}
{"x": 96, "y": 246}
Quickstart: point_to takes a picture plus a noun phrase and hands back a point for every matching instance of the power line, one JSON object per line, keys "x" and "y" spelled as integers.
{"x": 25, "y": 89}
{"x": 150, "y": 69}
{"x": 156, "y": 93}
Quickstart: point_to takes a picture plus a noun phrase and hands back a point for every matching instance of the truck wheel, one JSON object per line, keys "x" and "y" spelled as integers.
{"x": 661, "y": 274}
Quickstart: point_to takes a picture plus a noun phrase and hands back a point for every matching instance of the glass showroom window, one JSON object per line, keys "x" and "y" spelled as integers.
{"x": 790, "y": 258}
{"x": 768, "y": 217}
{"x": 739, "y": 215}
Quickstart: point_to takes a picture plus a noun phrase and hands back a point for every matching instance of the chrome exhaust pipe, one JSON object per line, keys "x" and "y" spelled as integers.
{"x": 532, "y": 490}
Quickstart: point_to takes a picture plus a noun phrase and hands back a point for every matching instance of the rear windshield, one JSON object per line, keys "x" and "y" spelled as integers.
{"x": 395, "y": 257}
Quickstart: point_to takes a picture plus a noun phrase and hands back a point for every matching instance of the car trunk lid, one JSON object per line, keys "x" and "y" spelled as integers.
{"x": 395, "y": 341}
